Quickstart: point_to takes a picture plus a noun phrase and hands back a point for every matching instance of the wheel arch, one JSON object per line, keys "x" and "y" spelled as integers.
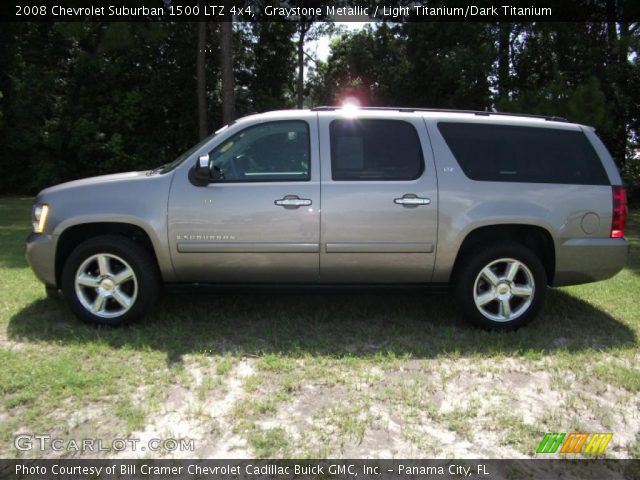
{"x": 536, "y": 238}
{"x": 73, "y": 235}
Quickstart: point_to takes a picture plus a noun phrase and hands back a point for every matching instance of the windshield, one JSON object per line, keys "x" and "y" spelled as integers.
{"x": 182, "y": 157}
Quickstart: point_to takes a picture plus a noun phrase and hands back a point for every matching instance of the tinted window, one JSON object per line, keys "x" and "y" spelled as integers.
{"x": 523, "y": 154}
{"x": 374, "y": 150}
{"x": 274, "y": 151}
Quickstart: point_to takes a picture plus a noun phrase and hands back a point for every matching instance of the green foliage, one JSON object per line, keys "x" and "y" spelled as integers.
{"x": 631, "y": 176}
{"x": 89, "y": 99}
{"x": 271, "y": 79}
{"x": 92, "y": 98}
{"x": 451, "y": 64}
{"x": 418, "y": 64}
{"x": 358, "y": 67}
{"x": 84, "y": 99}
{"x": 586, "y": 103}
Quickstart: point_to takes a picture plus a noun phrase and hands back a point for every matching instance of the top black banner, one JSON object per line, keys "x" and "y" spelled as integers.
{"x": 320, "y": 11}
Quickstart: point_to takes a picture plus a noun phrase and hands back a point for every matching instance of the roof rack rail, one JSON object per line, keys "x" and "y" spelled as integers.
{"x": 447, "y": 110}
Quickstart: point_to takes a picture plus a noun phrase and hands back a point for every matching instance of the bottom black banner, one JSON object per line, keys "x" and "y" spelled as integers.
{"x": 319, "y": 469}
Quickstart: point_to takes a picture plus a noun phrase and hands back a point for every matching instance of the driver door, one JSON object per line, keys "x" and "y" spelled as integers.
{"x": 258, "y": 219}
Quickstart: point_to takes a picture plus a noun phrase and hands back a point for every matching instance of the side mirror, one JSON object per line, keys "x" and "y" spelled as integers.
{"x": 200, "y": 173}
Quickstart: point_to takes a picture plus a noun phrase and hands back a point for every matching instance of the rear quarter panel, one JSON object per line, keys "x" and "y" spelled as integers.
{"x": 466, "y": 205}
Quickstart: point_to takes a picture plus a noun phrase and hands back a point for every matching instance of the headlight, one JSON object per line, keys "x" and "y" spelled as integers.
{"x": 40, "y": 213}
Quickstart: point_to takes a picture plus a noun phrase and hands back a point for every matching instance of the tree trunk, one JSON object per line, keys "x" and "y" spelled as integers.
{"x": 226, "y": 59}
{"x": 300, "y": 86}
{"x": 624, "y": 80}
{"x": 504, "y": 34}
{"x": 616, "y": 73}
{"x": 203, "y": 127}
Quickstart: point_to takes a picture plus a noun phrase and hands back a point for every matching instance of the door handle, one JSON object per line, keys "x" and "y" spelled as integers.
{"x": 292, "y": 201}
{"x": 411, "y": 200}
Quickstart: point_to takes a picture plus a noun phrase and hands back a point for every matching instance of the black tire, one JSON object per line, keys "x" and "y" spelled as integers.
{"x": 498, "y": 257}
{"x": 143, "y": 287}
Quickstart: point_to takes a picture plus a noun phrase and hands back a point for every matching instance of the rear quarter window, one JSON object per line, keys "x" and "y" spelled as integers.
{"x": 505, "y": 153}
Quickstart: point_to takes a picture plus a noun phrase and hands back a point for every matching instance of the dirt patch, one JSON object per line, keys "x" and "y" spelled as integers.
{"x": 11, "y": 346}
{"x": 183, "y": 415}
{"x": 384, "y": 439}
{"x": 435, "y": 408}
{"x": 228, "y": 444}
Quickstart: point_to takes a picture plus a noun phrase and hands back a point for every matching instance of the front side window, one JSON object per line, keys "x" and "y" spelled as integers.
{"x": 371, "y": 149}
{"x": 268, "y": 152}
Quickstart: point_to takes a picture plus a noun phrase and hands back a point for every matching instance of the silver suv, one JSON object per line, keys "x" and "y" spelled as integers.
{"x": 498, "y": 206}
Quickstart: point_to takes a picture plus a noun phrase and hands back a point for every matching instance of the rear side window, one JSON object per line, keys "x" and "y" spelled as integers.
{"x": 504, "y": 153}
{"x": 373, "y": 149}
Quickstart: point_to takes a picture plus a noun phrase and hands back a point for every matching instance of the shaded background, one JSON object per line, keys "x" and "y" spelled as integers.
{"x": 81, "y": 99}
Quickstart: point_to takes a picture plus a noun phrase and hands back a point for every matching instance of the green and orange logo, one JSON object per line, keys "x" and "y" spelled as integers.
{"x": 593, "y": 443}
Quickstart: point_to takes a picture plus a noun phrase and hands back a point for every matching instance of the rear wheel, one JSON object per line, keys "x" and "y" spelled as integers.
{"x": 110, "y": 280}
{"x": 502, "y": 287}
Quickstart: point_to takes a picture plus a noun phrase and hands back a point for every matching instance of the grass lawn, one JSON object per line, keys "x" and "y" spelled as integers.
{"x": 318, "y": 375}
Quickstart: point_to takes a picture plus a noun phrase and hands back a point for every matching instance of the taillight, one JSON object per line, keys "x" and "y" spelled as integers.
{"x": 620, "y": 211}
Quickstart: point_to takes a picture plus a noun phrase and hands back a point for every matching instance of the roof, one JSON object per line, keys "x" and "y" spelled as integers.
{"x": 446, "y": 110}
{"x": 474, "y": 116}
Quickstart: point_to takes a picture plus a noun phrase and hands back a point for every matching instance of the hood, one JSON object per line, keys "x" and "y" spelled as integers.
{"x": 94, "y": 181}
{"x": 126, "y": 197}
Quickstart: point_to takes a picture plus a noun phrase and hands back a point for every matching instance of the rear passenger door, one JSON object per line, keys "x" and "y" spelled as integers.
{"x": 379, "y": 199}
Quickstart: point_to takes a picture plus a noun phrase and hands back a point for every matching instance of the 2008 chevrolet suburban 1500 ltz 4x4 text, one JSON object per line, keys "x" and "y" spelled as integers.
{"x": 498, "y": 206}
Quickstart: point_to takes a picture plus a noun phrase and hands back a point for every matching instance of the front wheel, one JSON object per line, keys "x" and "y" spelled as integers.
{"x": 502, "y": 287}
{"x": 110, "y": 280}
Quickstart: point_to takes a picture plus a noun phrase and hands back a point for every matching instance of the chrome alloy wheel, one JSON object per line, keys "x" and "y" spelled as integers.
{"x": 504, "y": 290}
{"x": 106, "y": 285}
